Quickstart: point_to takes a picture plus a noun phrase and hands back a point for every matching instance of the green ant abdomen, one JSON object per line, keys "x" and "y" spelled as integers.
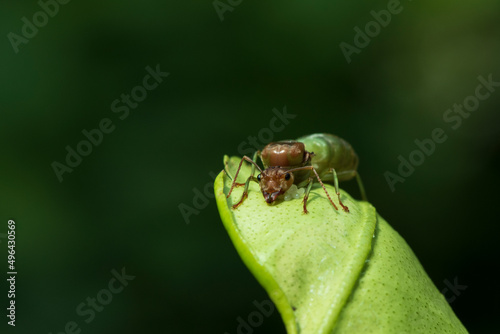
{"x": 331, "y": 151}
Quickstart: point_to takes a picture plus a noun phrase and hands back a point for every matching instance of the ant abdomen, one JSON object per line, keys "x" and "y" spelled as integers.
{"x": 331, "y": 151}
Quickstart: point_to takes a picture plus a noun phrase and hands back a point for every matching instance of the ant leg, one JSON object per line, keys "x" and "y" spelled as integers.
{"x": 245, "y": 191}
{"x": 226, "y": 165}
{"x": 247, "y": 183}
{"x": 306, "y": 195}
{"x": 250, "y": 178}
{"x": 254, "y": 159}
{"x": 336, "y": 184}
{"x": 361, "y": 187}
{"x": 254, "y": 164}
{"x": 236, "y": 175}
{"x": 238, "y": 171}
{"x": 349, "y": 174}
{"x": 320, "y": 182}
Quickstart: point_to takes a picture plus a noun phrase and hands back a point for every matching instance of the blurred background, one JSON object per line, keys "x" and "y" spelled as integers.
{"x": 139, "y": 202}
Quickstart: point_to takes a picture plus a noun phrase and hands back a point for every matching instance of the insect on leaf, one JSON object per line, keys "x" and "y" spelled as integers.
{"x": 330, "y": 271}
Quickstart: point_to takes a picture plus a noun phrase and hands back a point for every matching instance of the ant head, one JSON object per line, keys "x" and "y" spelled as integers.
{"x": 273, "y": 182}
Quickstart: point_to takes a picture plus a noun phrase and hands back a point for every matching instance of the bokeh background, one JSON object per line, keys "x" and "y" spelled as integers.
{"x": 120, "y": 207}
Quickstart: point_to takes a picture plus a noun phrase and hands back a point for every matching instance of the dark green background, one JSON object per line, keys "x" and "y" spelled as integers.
{"x": 120, "y": 206}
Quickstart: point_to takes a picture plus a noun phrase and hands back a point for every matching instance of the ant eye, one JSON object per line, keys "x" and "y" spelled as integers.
{"x": 259, "y": 177}
{"x": 287, "y": 176}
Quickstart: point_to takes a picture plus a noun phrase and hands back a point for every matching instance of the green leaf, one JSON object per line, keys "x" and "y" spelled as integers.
{"x": 330, "y": 271}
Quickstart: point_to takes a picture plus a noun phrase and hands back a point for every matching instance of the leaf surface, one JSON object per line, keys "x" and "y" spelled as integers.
{"x": 330, "y": 271}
